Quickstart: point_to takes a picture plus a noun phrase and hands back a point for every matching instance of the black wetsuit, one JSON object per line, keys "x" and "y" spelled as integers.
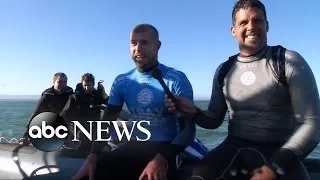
{"x": 100, "y": 90}
{"x": 50, "y": 101}
{"x": 83, "y": 107}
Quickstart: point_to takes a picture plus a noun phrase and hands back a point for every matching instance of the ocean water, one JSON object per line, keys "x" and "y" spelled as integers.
{"x": 14, "y": 115}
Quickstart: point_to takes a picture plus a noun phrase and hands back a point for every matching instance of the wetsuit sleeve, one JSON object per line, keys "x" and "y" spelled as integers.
{"x": 103, "y": 100}
{"x": 68, "y": 112}
{"x": 104, "y": 95}
{"x": 111, "y": 113}
{"x": 182, "y": 87}
{"x": 116, "y": 92}
{"x": 213, "y": 117}
{"x": 304, "y": 96}
{"x": 41, "y": 104}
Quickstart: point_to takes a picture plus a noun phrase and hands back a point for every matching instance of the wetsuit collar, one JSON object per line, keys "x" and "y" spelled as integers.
{"x": 260, "y": 54}
{"x": 148, "y": 69}
{"x": 68, "y": 90}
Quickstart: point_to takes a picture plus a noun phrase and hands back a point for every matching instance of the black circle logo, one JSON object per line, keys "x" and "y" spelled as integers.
{"x": 48, "y": 131}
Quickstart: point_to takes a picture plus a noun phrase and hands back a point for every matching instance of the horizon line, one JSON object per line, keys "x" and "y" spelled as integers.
{"x": 36, "y": 97}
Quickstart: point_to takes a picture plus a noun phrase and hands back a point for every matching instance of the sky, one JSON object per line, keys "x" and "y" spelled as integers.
{"x": 40, "y": 38}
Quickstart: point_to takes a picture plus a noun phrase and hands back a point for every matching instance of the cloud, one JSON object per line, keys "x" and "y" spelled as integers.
{"x": 4, "y": 85}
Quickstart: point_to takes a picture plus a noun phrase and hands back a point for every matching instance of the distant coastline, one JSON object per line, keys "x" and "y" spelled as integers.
{"x": 19, "y": 97}
{"x": 36, "y": 97}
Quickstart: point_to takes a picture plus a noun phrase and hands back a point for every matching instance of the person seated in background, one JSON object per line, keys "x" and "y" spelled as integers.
{"x": 100, "y": 90}
{"x": 84, "y": 105}
{"x": 52, "y": 99}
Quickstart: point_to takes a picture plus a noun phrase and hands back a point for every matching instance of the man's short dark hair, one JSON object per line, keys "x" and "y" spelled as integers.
{"x": 145, "y": 28}
{"x": 245, "y": 4}
{"x": 87, "y": 77}
{"x": 59, "y": 75}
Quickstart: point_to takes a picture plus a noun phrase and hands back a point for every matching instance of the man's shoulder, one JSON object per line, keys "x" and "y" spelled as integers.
{"x": 291, "y": 57}
{"x": 172, "y": 73}
{"x": 69, "y": 91}
{"x": 51, "y": 92}
{"x": 226, "y": 64}
{"x": 48, "y": 91}
{"x": 295, "y": 62}
{"x": 123, "y": 77}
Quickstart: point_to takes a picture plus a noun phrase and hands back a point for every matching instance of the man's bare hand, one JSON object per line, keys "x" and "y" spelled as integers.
{"x": 155, "y": 170}
{"x": 88, "y": 168}
{"x": 181, "y": 105}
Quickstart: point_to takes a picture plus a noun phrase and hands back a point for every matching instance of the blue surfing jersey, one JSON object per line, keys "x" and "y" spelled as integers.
{"x": 144, "y": 98}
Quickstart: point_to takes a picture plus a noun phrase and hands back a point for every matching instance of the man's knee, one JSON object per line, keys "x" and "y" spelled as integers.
{"x": 202, "y": 172}
{"x": 195, "y": 177}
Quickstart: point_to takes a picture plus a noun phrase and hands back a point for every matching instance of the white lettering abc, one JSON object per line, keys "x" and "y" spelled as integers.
{"x": 42, "y": 132}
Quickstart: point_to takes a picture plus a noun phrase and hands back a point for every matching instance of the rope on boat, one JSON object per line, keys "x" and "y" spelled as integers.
{"x": 12, "y": 140}
{"x": 9, "y": 132}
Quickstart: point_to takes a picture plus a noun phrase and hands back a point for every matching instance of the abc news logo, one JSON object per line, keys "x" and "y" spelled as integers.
{"x": 48, "y": 131}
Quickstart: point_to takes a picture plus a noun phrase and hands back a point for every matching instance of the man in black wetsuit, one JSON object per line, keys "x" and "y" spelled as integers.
{"x": 273, "y": 103}
{"x": 52, "y": 99}
{"x": 84, "y": 105}
{"x": 100, "y": 90}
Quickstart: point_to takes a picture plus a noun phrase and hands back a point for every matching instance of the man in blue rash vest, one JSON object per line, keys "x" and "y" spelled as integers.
{"x": 277, "y": 119}
{"x": 52, "y": 99}
{"x": 144, "y": 97}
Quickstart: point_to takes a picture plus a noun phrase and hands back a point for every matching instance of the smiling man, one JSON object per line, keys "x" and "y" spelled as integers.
{"x": 273, "y": 103}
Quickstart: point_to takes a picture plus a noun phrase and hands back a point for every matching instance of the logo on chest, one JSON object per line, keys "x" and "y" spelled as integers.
{"x": 145, "y": 96}
{"x": 248, "y": 78}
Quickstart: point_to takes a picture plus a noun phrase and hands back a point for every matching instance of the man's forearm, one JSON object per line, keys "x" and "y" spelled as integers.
{"x": 298, "y": 147}
{"x": 207, "y": 119}
{"x": 213, "y": 117}
{"x": 281, "y": 160}
{"x": 172, "y": 151}
{"x": 34, "y": 113}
